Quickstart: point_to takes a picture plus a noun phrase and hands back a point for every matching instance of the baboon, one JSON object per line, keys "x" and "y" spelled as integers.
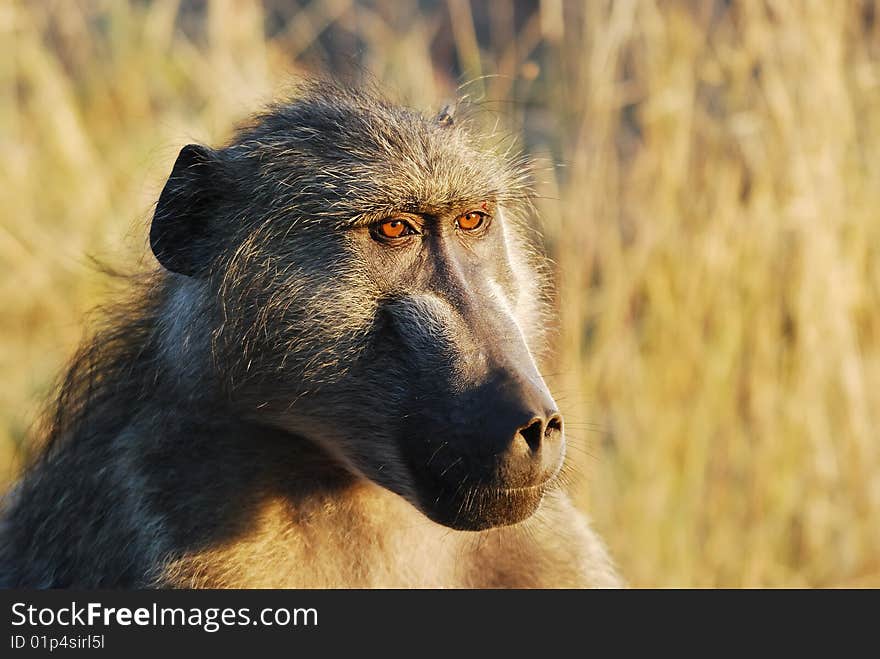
{"x": 329, "y": 382}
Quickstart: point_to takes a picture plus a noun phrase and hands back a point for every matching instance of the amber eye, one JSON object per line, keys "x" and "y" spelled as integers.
{"x": 393, "y": 229}
{"x": 470, "y": 221}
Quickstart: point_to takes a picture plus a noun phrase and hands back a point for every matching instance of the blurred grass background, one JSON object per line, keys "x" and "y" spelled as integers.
{"x": 709, "y": 180}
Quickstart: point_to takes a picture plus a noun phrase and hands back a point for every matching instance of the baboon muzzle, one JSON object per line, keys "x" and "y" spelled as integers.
{"x": 513, "y": 430}
{"x": 487, "y": 461}
{"x": 482, "y": 436}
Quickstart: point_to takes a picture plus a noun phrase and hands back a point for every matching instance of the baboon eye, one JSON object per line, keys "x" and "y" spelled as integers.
{"x": 391, "y": 229}
{"x": 470, "y": 221}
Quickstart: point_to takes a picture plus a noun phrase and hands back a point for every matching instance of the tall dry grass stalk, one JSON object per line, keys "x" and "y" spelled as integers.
{"x": 710, "y": 189}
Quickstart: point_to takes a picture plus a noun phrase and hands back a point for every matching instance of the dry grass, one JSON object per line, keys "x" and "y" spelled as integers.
{"x": 710, "y": 195}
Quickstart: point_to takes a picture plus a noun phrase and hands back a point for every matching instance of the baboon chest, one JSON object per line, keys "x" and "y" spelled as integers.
{"x": 369, "y": 539}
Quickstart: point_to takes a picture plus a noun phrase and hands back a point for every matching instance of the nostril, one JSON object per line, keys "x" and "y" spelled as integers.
{"x": 554, "y": 425}
{"x": 533, "y": 433}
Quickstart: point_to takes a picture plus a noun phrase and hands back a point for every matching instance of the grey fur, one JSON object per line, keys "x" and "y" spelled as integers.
{"x": 252, "y": 417}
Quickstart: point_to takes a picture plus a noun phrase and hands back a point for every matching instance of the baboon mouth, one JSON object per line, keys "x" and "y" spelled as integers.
{"x": 482, "y": 507}
{"x": 474, "y": 495}
{"x": 514, "y": 490}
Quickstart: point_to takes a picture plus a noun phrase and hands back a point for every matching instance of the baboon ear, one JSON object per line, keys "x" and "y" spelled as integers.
{"x": 181, "y": 233}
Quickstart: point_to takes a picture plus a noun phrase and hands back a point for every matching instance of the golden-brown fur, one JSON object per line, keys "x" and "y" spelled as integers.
{"x": 374, "y": 539}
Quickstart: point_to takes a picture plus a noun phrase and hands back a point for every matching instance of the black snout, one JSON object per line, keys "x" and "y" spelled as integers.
{"x": 486, "y": 458}
{"x": 481, "y": 435}
{"x": 520, "y": 432}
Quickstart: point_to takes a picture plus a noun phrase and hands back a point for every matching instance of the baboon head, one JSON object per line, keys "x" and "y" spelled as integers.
{"x": 357, "y": 274}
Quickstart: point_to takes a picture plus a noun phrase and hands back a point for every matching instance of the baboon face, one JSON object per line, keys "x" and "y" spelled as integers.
{"x": 368, "y": 288}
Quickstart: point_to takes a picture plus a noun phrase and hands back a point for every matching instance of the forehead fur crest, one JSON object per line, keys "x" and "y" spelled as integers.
{"x": 350, "y": 155}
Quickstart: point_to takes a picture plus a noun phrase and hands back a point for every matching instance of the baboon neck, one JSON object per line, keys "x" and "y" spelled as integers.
{"x": 141, "y": 360}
